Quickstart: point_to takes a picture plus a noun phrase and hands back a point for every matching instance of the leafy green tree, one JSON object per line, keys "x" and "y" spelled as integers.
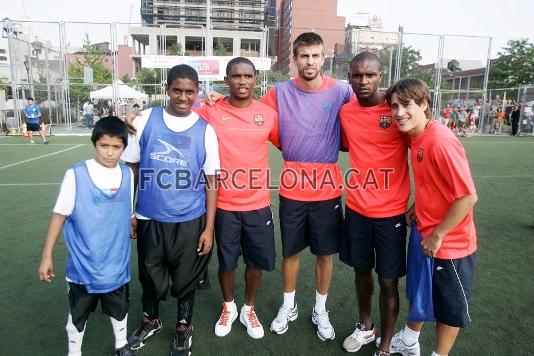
{"x": 410, "y": 65}
{"x": 5, "y": 85}
{"x": 272, "y": 77}
{"x": 148, "y": 79}
{"x": 126, "y": 79}
{"x": 220, "y": 49}
{"x": 93, "y": 57}
{"x": 176, "y": 49}
{"x": 514, "y": 66}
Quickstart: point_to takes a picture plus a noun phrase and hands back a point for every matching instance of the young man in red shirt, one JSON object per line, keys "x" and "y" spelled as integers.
{"x": 444, "y": 199}
{"x": 243, "y": 221}
{"x": 377, "y": 197}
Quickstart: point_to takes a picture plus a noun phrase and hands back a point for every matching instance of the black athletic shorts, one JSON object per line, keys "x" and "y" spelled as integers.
{"x": 250, "y": 233}
{"x": 114, "y": 304}
{"x": 452, "y": 287}
{"x": 317, "y": 224}
{"x": 168, "y": 252}
{"x": 33, "y": 127}
{"x": 378, "y": 243}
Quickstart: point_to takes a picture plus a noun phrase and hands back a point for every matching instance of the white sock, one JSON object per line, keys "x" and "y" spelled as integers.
{"x": 120, "y": 331}
{"x": 320, "y": 302}
{"x": 410, "y": 336}
{"x": 230, "y": 305}
{"x": 435, "y": 354}
{"x": 289, "y": 300}
{"x": 247, "y": 307}
{"x": 74, "y": 337}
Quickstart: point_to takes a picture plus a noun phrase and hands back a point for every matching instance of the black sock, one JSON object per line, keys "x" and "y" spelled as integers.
{"x": 185, "y": 308}
{"x": 150, "y": 307}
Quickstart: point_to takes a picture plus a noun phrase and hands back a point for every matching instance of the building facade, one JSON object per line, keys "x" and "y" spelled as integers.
{"x": 225, "y": 14}
{"x": 298, "y": 16}
{"x": 178, "y": 27}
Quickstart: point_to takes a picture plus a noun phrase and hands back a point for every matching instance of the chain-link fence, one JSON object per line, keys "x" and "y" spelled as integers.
{"x": 61, "y": 64}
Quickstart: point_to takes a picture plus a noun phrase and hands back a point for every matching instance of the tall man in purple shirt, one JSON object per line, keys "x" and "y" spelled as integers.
{"x": 311, "y": 183}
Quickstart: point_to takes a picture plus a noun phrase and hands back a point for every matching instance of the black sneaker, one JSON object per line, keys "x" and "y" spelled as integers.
{"x": 183, "y": 341}
{"x": 146, "y": 330}
{"x": 126, "y": 350}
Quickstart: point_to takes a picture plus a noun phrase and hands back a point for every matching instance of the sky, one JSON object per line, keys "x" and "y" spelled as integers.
{"x": 502, "y": 21}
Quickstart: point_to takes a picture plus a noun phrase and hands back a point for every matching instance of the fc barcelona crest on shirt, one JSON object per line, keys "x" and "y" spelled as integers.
{"x": 385, "y": 122}
{"x": 420, "y": 152}
{"x": 258, "y": 120}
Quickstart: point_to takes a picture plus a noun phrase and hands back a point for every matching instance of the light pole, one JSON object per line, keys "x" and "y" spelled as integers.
{"x": 27, "y": 67}
{"x": 12, "y": 29}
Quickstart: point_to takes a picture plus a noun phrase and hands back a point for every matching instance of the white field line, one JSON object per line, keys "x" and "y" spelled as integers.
{"x": 506, "y": 176}
{"x": 39, "y": 157}
{"x": 494, "y": 142}
{"x": 27, "y": 184}
{"x": 38, "y": 145}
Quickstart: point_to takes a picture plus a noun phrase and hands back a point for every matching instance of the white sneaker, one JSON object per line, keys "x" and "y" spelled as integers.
{"x": 359, "y": 337}
{"x": 325, "y": 330}
{"x": 228, "y": 316}
{"x": 280, "y": 324}
{"x": 398, "y": 346}
{"x": 250, "y": 320}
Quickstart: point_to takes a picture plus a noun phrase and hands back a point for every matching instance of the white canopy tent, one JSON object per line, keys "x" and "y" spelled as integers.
{"x": 123, "y": 92}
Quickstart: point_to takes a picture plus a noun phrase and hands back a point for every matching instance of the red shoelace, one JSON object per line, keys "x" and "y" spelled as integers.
{"x": 252, "y": 318}
{"x": 225, "y": 316}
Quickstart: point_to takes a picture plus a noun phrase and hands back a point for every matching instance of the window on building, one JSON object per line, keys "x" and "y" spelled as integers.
{"x": 194, "y": 46}
{"x": 223, "y": 46}
{"x": 250, "y": 47}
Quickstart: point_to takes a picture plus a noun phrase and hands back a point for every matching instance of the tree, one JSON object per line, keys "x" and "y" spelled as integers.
{"x": 410, "y": 65}
{"x": 5, "y": 85}
{"x": 514, "y": 66}
{"x": 126, "y": 78}
{"x": 176, "y": 49}
{"x": 149, "y": 79}
{"x": 220, "y": 49}
{"x": 272, "y": 77}
{"x": 93, "y": 57}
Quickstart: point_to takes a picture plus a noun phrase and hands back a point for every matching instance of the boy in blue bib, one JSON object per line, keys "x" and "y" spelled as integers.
{"x": 94, "y": 209}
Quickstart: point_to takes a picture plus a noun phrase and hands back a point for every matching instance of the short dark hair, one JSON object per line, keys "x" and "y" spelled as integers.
{"x": 135, "y": 105}
{"x": 238, "y": 60}
{"x": 307, "y": 39}
{"x": 111, "y": 126}
{"x": 30, "y": 98}
{"x": 182, "y": 71}
{"x": 365, "y": 56}
{"x": 410, "y": 89}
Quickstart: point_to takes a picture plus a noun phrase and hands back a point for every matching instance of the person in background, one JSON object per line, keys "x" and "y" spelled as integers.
{"x": 516, "y": 114}
{"x": 33, "y": 120}
{"x": 446, "y": 114}
{"x": 88, "y": 114}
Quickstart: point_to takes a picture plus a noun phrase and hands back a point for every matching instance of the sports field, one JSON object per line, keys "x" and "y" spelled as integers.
{"x": 34, "y": 313}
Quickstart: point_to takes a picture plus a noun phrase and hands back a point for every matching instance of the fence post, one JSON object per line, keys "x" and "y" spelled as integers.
{"x": 485, "y": 102}
{"x": 399, "y": 56}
